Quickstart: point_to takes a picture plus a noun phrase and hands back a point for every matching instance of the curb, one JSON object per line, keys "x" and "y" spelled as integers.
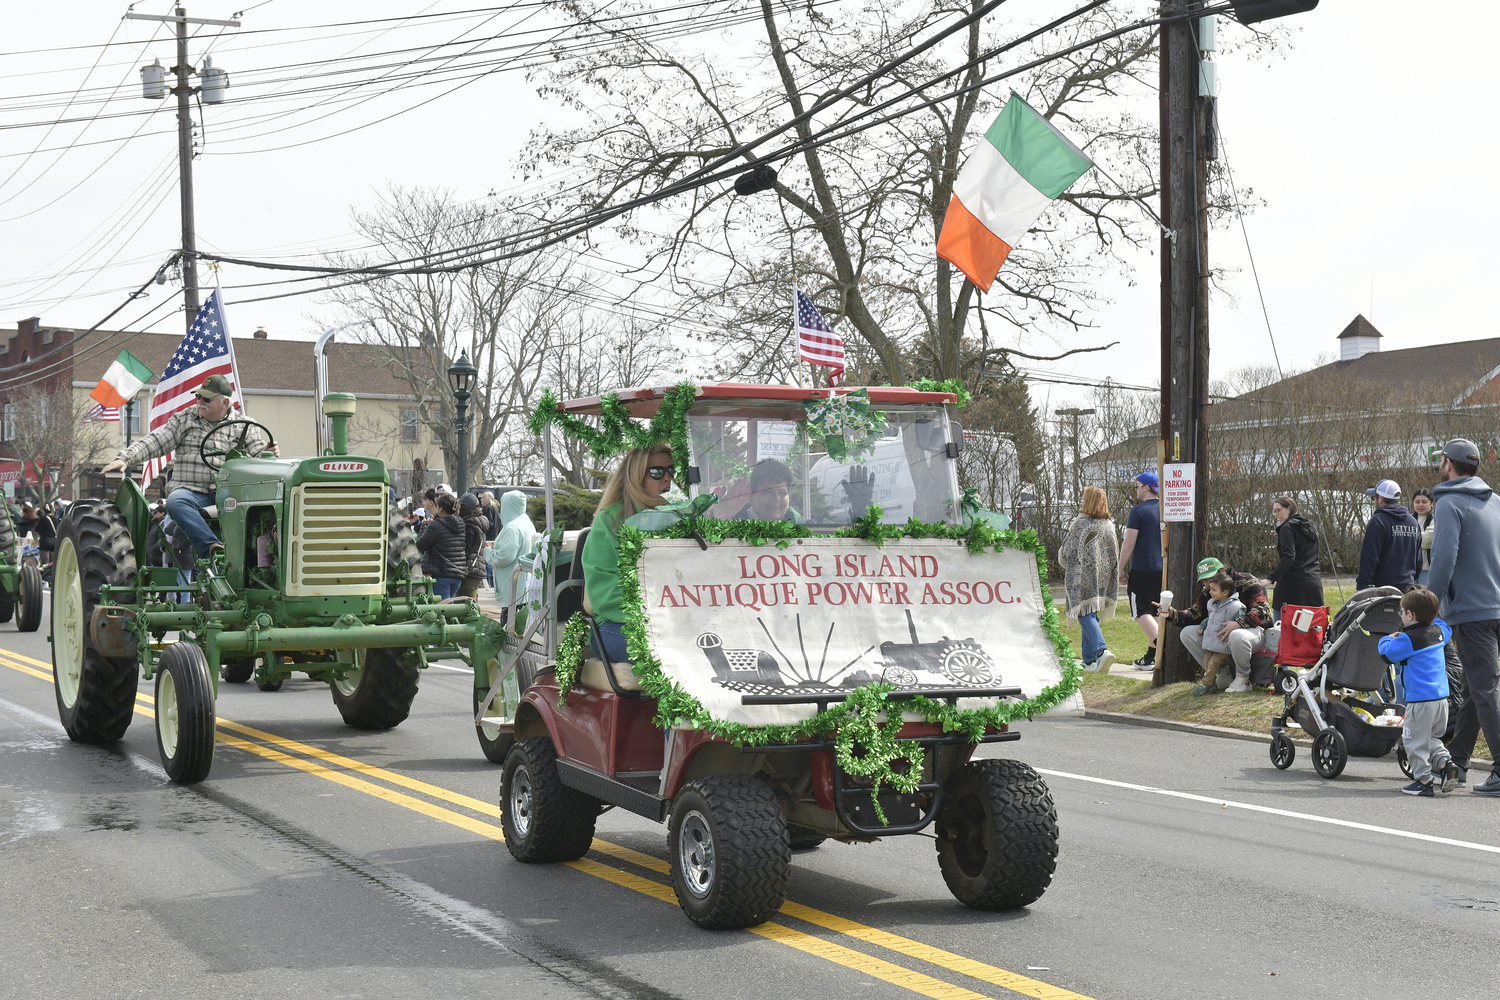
{"x": 1222, "y": 732}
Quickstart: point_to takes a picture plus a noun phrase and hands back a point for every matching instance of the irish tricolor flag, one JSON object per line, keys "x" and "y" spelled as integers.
{"x": 123, "y": 380}
{"x": 1019, "y": 169}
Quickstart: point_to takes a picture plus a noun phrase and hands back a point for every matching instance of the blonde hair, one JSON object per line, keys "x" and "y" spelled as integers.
{"x": 1095, "y": 502}
{"x": 627, "y": 485}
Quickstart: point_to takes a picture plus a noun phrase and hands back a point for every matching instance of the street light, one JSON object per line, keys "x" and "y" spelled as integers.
{"x": 461, "y": 376}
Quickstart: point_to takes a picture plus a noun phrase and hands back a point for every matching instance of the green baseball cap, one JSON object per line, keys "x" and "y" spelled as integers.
{"x": 213, "y": 386}
{"x": 1209, "y": 567}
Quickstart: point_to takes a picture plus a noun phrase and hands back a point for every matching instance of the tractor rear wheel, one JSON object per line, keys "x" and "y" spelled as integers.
{"x": 378, "y": 693}
{"x": 237, "y": 671}
{"x": 997, "y": 835}
{"x": 402, "y": 560}
{"x": 8, "y": 602}
{"x": 185, "y": 716}
{"x": 95, "y": 694}
{"x": 543, "y": 819}
{"x": 29, "y": 582}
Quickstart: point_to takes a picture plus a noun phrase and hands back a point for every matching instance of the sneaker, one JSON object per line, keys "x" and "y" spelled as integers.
{"x": 1148, "y": 659}
{"x": 1490, "y": 786}
{"x": 1106, "y": 660}
{"x": 1422, "y": 788}
{"x": 1201, "y": 689}
{"x": 1091, "y": 666}
{"x": 1239, "y": 686}
{"x": 1449, "y": 772}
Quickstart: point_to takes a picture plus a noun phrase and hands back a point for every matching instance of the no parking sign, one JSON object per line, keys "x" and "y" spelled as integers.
{"x": 1177, "y": 491}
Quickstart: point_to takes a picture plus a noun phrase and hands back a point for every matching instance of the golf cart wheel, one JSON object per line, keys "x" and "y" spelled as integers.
{"x": 1403, "y": 761}
{"x": 1286, "y": 680}
{"x": 1330, "y": 753}
{"x": 494, "y": 745}
{"x": 237, "y": 671}
{"x": 803, "y": 838}
{"x": 730, "y": 855}
{"x": 997, "y": 835}
{"x": 29, "y": 583}
{"x": 184, "y": 713}
{"x": 378, "y": 692}
{"x": 95, "y": 694}
{"x": 1283, "y": 751}
{"x": 544, "y": 820}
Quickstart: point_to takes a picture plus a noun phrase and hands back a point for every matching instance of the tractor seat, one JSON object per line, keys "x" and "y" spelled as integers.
{"x": 211, "y": 512}
{"x": 591, "y": 675}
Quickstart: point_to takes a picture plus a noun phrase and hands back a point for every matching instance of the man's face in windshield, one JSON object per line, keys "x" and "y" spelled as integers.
{"x": 213, "y": 410}
{"x": 771, "y": 501}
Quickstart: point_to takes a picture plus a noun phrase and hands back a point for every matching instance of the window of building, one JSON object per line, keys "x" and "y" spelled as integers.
{"x": 409, "y": 426}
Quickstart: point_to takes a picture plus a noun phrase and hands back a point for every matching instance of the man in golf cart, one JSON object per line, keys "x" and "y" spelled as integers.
{"x": 192, "y": 479}
{"x": 770, "y": 494}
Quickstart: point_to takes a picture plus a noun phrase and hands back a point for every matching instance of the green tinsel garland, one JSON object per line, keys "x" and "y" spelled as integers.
{"x": 952, "y": 385}
{"x": 619, "y": 432}
{"x": 571, "y": 652}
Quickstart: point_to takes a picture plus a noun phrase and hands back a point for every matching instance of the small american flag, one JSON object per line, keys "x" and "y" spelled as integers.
{"x": 205, "y": 350}
{"x": 817, "y": 342}
{"x": 101, "y": 412}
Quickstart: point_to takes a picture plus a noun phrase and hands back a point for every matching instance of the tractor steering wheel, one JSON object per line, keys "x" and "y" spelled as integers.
{"x": 214, "y": 457}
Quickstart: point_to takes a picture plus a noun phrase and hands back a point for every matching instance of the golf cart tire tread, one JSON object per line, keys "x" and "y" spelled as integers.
{"x": 1023, "y": 823}
{"x": 562, "y": 818}
{"x": 753, "y": 851}
{"x": 29, "y": 606}
{"x": 106, "y": 688}
{"x": 383, "y": 697}
{"x": 196, "y": 719}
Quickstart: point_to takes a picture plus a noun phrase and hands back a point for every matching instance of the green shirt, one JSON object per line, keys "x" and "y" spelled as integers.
{"x": 601, "y": 565}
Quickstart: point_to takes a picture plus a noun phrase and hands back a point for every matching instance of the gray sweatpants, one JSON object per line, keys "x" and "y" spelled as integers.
{"x": 1422, "y": 733}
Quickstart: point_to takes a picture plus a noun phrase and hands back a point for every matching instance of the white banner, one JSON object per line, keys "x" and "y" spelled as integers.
{"x": 831, "y": 614}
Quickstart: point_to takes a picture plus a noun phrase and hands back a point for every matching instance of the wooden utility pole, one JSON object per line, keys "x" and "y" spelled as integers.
{"x": 1075, "y": 413}
{"x": 1184, "y": 308}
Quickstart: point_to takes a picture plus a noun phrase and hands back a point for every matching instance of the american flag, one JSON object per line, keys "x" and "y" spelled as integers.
{"x": 817, "y": 342}
{"x": 101, "y": 412}
{"x": 205, "y": 350}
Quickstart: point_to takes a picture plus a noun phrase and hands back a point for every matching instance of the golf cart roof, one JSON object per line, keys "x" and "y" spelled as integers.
{"x": 643, "y": 402}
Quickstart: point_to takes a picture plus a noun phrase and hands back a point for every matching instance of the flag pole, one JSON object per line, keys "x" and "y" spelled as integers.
{"x": 234, "y": 366}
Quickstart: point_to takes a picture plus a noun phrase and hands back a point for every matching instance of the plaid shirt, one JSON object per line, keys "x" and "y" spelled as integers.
{"x": 1251, "y": 594}
{"x": 183, "y": 432}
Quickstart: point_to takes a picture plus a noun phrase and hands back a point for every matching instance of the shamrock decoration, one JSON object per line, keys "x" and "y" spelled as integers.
{"x": 840, "y": 418}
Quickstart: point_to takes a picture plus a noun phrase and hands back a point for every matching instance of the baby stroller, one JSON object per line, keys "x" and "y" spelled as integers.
{"x": 1323, "y": 700}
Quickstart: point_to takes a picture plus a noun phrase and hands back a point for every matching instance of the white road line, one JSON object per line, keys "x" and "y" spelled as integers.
{"x": 444, "y": 666}
{"x": 1230, "y": 803}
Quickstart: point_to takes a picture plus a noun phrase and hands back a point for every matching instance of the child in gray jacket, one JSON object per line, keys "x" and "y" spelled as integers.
{"x": 1223, "y": 608}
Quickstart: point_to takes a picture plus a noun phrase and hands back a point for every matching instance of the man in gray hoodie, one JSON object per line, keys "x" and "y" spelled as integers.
{"x": 1465, "y": 576}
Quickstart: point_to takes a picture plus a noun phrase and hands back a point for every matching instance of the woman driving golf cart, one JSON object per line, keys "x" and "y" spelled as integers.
{"x": 641, "y": 482}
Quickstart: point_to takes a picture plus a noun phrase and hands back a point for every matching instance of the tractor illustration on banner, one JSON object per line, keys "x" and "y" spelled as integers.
{"x": 909, "y": 666}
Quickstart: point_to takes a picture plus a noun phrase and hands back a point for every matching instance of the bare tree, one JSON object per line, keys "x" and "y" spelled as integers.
{"x": 46, "y": 430}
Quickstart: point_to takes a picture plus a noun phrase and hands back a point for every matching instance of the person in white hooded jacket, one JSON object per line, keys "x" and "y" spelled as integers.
{"x": 515, "y": 540}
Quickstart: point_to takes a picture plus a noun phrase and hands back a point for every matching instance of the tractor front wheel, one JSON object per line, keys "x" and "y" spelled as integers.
{"x": 185, "y": 717}
{"x": 378, "y": 692}
{"x": 30, "y": 584}
{"x": 996, "y": 835}
{"x": 95, "y": 694}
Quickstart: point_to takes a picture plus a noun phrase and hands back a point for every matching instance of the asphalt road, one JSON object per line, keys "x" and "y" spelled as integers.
{"x": 319, "y": 861}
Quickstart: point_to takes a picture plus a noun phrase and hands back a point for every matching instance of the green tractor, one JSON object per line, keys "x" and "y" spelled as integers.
{"x": 318, "y": 574}
{"x": 20, "y": 584}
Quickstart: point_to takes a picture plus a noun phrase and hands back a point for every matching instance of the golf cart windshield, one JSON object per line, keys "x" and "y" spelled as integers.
{"x": 764, "y": 460}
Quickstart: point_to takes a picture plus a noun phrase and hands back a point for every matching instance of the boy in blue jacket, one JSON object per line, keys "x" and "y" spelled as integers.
{"x": 1417, "y": 652}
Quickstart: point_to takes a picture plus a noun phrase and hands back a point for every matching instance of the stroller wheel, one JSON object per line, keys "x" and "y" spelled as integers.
{"x": 1330, "y": 753}
{"x": 1283, "y": 751}
{"x": 1403, "y": 761}
{"x": 1286, "y": 681}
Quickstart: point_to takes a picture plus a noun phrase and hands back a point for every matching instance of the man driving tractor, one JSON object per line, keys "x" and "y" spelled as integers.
{"x": 193, "y": 480}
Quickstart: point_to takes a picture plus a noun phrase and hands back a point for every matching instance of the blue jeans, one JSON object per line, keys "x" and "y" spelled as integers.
{"x": 1093, "y": 636}
{"x": 185, "y": 506}
{"x": 614, "y": 642}
{"x": 446, "y": 586}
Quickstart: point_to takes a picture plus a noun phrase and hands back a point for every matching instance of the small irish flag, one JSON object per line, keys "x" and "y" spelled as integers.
{"x": 1019, "y": 169}
{"x": 123, "y": 380}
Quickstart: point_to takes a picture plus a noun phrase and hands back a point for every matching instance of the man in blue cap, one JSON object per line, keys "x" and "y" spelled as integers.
{"x": 1140, "y": 561}
{"x": 1392, "y": 553}
{"x": 1465, "y": 576}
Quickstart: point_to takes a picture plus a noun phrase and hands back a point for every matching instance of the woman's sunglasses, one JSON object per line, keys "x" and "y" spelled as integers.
{"x": 659, "y": 471}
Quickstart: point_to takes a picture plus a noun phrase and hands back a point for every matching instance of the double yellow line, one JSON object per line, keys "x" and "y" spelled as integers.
{"x": 355, "y": 775}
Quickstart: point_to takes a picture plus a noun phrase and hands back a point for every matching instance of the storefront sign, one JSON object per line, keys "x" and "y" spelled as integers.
{"x": 828, "y": 615}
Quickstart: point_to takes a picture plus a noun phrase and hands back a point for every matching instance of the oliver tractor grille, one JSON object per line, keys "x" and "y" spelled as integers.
{"x": 338, "y": 537}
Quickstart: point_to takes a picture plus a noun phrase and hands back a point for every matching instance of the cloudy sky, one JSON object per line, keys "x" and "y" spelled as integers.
{"x": 1359, "y": 137}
